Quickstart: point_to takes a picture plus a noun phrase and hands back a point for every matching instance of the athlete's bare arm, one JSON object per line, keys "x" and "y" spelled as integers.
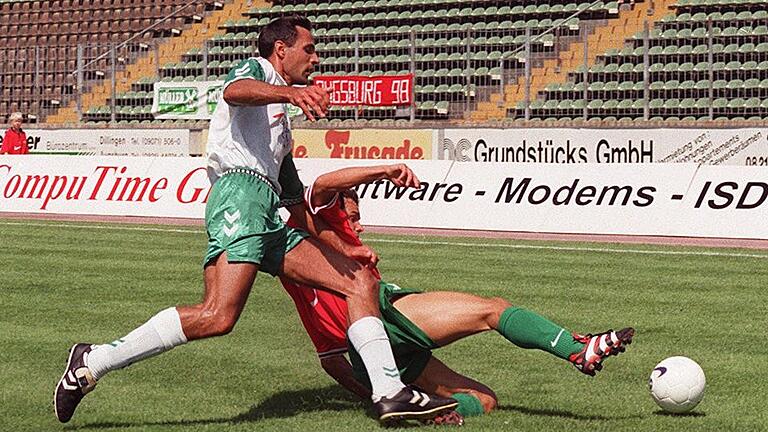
{"x": 333, "y": 182}
{"x": 251, "y": 92}
{"x": 339, "y": 369}
{"x": 319, "y": 229}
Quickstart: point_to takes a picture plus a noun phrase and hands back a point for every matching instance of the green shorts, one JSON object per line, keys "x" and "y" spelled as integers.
{"x": 241, "y": 218}
{"x": 411, "y": 346}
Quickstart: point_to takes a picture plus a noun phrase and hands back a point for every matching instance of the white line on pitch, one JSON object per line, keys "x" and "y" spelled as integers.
{"x": 105, "y": 227}
{"x": 423, "y": 242}
{"x": 571, "y": 248}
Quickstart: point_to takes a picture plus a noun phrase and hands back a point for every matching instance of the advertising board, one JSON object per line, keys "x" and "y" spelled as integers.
{"x": 601, "y": 146}
{"x": 631, "y": 199}
{"x": 109, "y": 142}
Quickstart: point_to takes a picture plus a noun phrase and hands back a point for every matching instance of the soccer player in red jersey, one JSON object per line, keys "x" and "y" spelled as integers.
{"x": 418, "y": 322}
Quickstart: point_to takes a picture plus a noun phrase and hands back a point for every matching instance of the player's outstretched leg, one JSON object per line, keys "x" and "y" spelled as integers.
{"x": 598, "y": 347}
{"x": 226, "y": 290}
{"x": 464, "y": 314}
{"x": 89, "y": 363}
{"x": 76, "y": 382}
{"x": 412, "y": 404}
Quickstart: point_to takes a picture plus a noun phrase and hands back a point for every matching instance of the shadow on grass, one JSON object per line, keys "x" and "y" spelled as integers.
{"x": 280, "y": 405}
{"x": 562, "y": 413}
{"x": 686, "y": 414}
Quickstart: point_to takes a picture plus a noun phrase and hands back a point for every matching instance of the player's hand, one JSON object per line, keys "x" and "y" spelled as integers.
{"x": 401, "y": 175}
{"x": 363, "y": 254}
{"x": 313, "y": 101}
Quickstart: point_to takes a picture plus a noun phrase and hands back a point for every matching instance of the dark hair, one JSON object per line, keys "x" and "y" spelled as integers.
{"x": 351, "y": 194}
{"x": 284, "y": 29}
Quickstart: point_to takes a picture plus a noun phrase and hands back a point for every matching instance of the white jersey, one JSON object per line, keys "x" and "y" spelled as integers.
{"x": 253, "y": 137}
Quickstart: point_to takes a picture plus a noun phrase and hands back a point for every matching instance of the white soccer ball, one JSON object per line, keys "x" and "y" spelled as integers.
{"x": 677, "y": 384}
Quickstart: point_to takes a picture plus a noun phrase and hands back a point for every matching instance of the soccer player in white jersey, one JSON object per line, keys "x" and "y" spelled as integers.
{"x": 252, "y": 174}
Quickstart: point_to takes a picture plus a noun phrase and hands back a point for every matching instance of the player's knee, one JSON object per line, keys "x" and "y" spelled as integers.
{"x": 487, "y": 400}
{"x": 365, "y": 285}
{"x": 495, "y": 306}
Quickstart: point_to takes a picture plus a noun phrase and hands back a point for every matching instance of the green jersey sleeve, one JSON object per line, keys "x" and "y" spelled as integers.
{"x": 293, "y": 189}
{"x": 246, "y": 69}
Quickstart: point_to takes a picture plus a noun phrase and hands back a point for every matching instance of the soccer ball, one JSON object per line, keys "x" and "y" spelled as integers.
{"x": 677, "y": 384}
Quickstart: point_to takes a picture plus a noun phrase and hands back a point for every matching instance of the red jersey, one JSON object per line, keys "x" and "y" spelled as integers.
{"x": 14, "y": 142}
{"x": 323, "y": 313}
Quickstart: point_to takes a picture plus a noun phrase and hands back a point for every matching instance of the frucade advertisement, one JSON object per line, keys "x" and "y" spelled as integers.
{"x": 634, "y": 199}
{"x": 362, "y": 143}
{"x": 602, "y": 146}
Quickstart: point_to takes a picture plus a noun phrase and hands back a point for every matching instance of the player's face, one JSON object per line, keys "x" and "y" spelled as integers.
{"x": 353, "y": 215}
{"x": 16, "y": 124}
{"x": 300, "y": 58}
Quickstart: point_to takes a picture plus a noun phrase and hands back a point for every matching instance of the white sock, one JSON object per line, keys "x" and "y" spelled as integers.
{"x": 161, "y": 333}
{"x": 370, "y": 340}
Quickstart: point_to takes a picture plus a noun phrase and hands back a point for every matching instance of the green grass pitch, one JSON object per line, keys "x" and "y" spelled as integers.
{"x": 66, "y": 282}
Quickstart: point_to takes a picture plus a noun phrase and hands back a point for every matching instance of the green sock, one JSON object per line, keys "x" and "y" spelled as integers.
{"x": 528, "y": 329}
{"x": 468, "y": 405}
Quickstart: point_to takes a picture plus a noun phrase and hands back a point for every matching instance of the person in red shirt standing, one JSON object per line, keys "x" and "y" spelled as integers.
{"x": 15, "y": 140}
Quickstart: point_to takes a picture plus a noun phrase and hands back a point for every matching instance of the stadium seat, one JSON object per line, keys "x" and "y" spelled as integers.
{"x": 380, "y": 31}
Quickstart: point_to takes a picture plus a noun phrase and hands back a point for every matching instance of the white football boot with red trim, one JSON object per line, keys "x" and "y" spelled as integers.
{"x": 598, "y": 347}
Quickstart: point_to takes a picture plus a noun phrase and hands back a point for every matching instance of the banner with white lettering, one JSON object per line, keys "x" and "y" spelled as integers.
{"x": 574, "y": 146}
{"x": 636, "y": 199}
{"x": 109, "y": 142}
{"x": 365, "y": 90}
{"x": 185, "y": 100}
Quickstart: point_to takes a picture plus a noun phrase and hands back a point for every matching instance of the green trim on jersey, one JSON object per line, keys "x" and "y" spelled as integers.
{"x": 248, "y": 68}
{"x": 411, "y": 347}
{"x": 241, "y": 218}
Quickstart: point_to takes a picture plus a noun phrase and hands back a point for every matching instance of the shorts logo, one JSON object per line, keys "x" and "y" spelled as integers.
{"x": 230, "y": 229}
{"x": 392, "y": 372}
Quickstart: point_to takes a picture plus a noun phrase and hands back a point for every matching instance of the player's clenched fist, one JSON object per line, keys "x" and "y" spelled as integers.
{"x": 313, "y": 100}
{"x": 363, "y": 254}
{"x": 401, "y": 175}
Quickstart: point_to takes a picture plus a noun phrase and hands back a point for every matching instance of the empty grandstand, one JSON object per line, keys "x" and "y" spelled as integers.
{"x": 477, "y": 62}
